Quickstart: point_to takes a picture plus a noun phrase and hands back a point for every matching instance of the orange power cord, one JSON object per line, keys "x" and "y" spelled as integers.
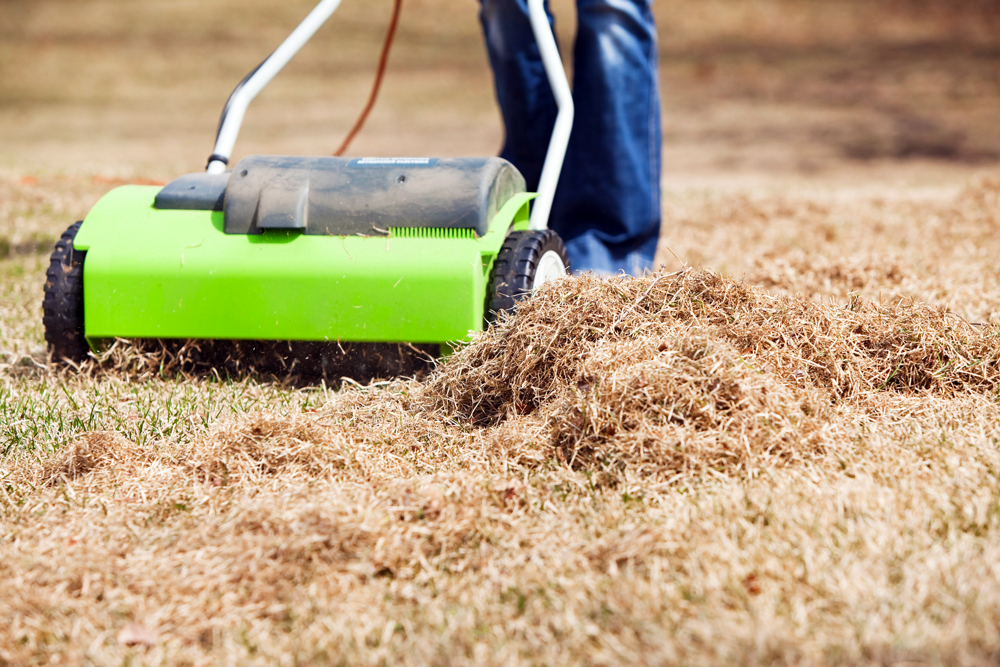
{"x": 383, "y": 60}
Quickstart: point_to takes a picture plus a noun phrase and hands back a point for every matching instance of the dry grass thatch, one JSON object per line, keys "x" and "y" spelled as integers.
{"x": 851, "y": 349}
{"x": 691, "y": 364}
{"x": 680, "y": 469}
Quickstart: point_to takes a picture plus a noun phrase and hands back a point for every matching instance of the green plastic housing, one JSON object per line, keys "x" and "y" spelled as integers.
{"x": 153, "y": 273}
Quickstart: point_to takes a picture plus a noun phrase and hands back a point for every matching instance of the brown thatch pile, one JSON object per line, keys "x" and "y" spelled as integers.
{"x": 689, "y": 371}
{"x": 663, "y": 377}
{"x": 681, "y": 466}
{"x": 848, "y": 349}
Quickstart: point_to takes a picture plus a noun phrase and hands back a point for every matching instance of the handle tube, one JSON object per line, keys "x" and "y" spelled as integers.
{"x": 236, "y": 107}
{"x": 564, "y": 120}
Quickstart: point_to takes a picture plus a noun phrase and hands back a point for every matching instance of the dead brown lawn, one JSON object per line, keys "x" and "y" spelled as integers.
{"x": 682, "y": 469}
{"x": 789, "y": 458}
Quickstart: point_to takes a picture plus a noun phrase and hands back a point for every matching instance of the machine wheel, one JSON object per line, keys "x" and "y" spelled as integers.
{"x": 62, "y": 307}
{"x": 527, "y": 260}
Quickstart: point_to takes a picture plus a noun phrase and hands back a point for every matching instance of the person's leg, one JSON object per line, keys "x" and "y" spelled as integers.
{"x": 526, "y": 101}
{"x": 607, "y": 206}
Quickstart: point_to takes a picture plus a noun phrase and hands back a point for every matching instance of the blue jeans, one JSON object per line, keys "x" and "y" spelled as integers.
{"x": 607, "y": 204}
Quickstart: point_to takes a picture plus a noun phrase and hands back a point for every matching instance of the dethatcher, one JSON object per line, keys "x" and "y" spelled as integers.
{"x": 349, "y": 265}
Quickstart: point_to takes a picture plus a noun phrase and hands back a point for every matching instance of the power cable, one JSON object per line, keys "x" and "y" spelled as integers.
{"x": 379, "y": 75}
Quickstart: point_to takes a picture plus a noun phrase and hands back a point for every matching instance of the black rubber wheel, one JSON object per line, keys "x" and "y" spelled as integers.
{"x": 515, "y": 268}
{"x": 62, "y": 307}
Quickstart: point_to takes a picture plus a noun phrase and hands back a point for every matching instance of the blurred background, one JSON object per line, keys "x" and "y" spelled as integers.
{"x": 752, "y": 89}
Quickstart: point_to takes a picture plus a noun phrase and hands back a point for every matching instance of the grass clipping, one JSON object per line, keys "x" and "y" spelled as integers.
{"x": 679, "y": 469}
{"x": 685, "y": 372}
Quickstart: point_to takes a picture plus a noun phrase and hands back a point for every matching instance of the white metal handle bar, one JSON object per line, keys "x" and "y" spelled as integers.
{"x": 241, "y": 98}
{"x": 244, "y": 95}
{"x": 564, "y": 120}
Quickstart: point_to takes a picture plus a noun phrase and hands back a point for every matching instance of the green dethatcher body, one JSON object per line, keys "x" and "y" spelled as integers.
{"x": 153, "y": 273}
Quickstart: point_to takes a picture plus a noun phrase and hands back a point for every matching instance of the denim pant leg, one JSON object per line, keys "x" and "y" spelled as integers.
{"x": 526, "y": 101}
{"x": 609, "y": 208}
{"x": 607, "y": 205}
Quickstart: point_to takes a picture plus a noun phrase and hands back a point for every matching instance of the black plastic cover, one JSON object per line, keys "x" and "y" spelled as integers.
{"x": 347, "y": 196}
{"x": 194, "y": 192}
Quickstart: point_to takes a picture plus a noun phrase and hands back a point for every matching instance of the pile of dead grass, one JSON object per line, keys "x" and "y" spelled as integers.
{"x": 681, "y": 465}
{"x": 684, "y": 373}
{"x": 96, "y": 450}
{"x": 665, "y": 377}
{"x": 846, "y": 349}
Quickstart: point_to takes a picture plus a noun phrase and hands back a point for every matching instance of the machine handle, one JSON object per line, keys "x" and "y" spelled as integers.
{"x": 249, "y": 88}
{"x": 564, "y": 120}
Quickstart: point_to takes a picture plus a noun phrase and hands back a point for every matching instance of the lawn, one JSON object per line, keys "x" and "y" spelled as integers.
{"x": 783, "y": 447}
